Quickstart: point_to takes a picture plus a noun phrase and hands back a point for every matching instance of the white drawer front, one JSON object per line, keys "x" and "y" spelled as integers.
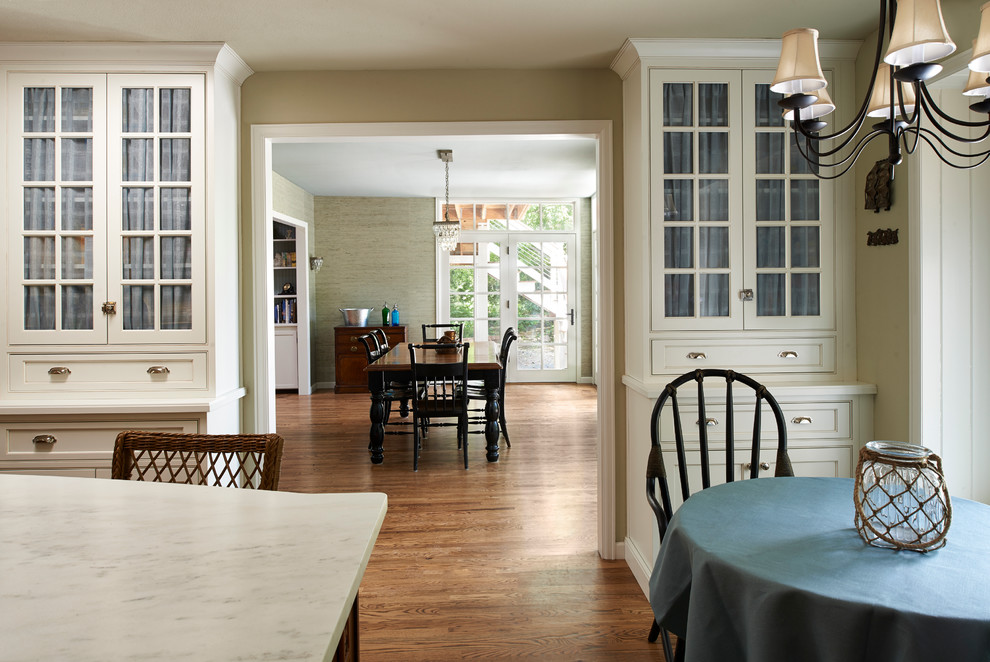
{"x": 71, "y": 440}
{"x": 72, "y": 473}
{"x": 828, "y": 420}
{"x": 82, "y": 372}
{"x": 751, "y": 356}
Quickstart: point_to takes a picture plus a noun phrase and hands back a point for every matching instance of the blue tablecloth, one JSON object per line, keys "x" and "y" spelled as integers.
{"x": 773, "y": 570}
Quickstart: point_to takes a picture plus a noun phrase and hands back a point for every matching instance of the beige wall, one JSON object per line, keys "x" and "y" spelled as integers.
{"x": 439, "y": 96}
{"x": 882, "y": 315}
{"x": 377, "y": 251}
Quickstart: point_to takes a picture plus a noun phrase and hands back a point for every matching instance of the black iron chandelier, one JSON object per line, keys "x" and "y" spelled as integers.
{"x": 915, "y": 34}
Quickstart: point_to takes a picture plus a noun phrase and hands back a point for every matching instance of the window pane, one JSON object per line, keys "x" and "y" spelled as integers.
{"x": 770, "y": 248}
{"x": 713, "y": 152}
{"x": 768, "y": 113}
{"x": 558, "y": 217}
{"x": 462, "y": 305}
{"x": 678, "y": 300}
{"x": 770, "y": 301}
{"x": 138, "y": 307}
{"x": 77, "y": 257}
{"x": 678, "y": 107}
{"x": 713, "y": 104}
{"x": 769, "y": 153}
{"x": 39, "y": 209}
{"x": 176, "y": 214}
{"x": 713, "y": 200}
{"x": 77, "y": 307}
{"x": 804, "y": 200}
{"x": 39, "y": 308}
{"x": 678, "y": 197}
{"x": 39, "y": 159}
{"x": 175, "y": 110}
{"x": 77, "y": 159}
{"x": 137, "y": 160}
{"x": 799, "y": 164}
{"x": 175, "y": 160}
{"x": 176, "y": 258}
{"x": 713, "y": 248}
{"x": 39, "y": 110}
{"x": 462, "y": 280}
{"x": 769, "y": 200}
{"x": 39, "y": 258}
{"x": 77, "y": 109}
{"x": 678, "y": 247}
{"x": 176, "y": 306}
{"x": 138, "y": 209}
{"x": 805, "y": 294}
{"x": 805, "y": 247}
{"x": 139, "y": 258}
{"x": 713, "y": 295}
{"x": 678, "y": 155}
{"x": 77, "y": 208}
{"x": 138, "y": 110}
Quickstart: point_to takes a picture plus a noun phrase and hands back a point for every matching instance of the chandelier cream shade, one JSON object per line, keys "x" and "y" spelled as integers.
{"x": 919, "y": 34}
{"x": 799, "y": 71}
{"x": 981, "y": 47}
{"x": 880, "y": 99}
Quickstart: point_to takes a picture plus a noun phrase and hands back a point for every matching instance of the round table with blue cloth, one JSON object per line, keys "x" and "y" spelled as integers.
{"x": 773, "y": 570}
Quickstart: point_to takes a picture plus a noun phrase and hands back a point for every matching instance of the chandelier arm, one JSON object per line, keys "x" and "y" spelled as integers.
{"x": 857, "y": 122}
{"x": 985, "y": 155}
{"x": 850, "y": 159}
{"x": 929, "y": 103}
{"x": 928, "y": 135}
{"x": 829, "y": 152}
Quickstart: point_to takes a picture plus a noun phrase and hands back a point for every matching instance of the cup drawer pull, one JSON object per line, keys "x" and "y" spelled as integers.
{"x": 697, "y": 356}
{"x": 710, "y": 422}
{"x": 801, "y": 420}
{"x": 48, "y": 439}
{"x": 59, "y": 370}
{"x": 788, "y": 354}
{"x": 765, "y": 466}
{"x": 158, "y": 370}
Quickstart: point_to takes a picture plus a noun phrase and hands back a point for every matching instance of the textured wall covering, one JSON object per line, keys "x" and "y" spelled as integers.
{"x": 290, "y": 199}
{"x": 585, "y": 349}
{"x": 376, "y": 250}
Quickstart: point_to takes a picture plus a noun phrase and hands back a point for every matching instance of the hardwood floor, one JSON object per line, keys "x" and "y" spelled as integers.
{"x": 496, "y": 562}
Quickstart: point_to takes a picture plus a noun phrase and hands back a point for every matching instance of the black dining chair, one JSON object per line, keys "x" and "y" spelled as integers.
{"x": 703, "y": 409}
{"x": 439, "y": 393}
{"x": 382, "y": 339}
{"x": 433, "y": 332}
{"x": 477, "y": 392}
{"x": 394, "y": 391}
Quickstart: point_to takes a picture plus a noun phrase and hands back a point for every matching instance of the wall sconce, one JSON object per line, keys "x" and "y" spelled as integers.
{"x": 315, "y": 263}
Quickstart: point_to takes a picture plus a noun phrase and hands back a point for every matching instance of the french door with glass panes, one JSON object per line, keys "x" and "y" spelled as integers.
{"x": 526, "y": 281}
{"x": 106, "y": 198}
{"x": 741, "y": 225}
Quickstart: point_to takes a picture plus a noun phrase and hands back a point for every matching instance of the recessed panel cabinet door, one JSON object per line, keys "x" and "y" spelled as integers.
{"x": 56, "y": 208}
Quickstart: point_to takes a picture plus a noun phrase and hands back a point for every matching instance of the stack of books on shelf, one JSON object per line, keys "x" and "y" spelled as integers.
{"x": 285, "y": 311}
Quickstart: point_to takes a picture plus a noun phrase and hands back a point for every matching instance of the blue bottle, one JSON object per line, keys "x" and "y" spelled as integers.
{"x": 395, "y": 315}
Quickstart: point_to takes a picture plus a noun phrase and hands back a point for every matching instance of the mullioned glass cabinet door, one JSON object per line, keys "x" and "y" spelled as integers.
{"x": 696, "y": 216}
{"x": 156, "y": 208}
{"x": 56, "y": 212}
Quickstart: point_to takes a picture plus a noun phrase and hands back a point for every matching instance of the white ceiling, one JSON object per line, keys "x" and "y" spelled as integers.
{"x": 279, "y": 35}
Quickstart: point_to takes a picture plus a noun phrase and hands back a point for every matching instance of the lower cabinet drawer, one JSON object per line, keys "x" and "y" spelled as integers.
{"x": 750, "y": 356}
{"x": 74, "y": 440}
{"x": 88, "y": 372}
{"x": 819, "y": 420}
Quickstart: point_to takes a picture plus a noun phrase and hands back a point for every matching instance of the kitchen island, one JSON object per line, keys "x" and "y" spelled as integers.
{"x": 96, "y": 569}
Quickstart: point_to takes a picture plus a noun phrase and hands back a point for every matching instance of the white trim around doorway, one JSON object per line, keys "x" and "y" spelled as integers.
{"x": 263, "y": 136}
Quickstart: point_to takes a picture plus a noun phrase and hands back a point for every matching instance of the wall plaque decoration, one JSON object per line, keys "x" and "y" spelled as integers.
{"x": 878, "y": 189}
{"x": 881, "y": 237}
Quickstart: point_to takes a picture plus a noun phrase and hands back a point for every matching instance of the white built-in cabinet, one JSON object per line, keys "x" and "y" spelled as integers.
{"x": 120, "y": 175}
{"x": 736, "y": 256}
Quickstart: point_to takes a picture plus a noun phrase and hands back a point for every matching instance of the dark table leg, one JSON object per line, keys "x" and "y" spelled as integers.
{"x": 376, "y": 382}
{"x": 492, "y": 408}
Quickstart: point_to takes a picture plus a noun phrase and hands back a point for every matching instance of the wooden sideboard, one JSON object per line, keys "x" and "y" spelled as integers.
{"x": 350, "y": 359}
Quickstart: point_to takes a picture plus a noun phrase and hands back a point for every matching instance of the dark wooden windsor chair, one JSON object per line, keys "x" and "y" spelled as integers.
{"x": 439, "y": 392}
{"x": 433, "y": 332}
{"x": 656, "y": 470}
{"x": 478, "y": 393}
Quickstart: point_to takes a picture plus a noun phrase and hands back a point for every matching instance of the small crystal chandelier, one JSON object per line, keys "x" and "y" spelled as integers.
{"x": 448, "y": 232}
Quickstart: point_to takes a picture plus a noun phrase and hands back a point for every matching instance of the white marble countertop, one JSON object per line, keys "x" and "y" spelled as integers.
{"x": 102, "y": 570}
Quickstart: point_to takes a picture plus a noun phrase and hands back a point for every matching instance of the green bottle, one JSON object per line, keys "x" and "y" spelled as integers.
{"x": 385, "y": 314}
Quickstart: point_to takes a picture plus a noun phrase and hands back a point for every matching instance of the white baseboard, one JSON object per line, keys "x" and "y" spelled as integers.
{"x": 641, "y": 568}
{"x": 323, "y": 385}
{"x": 585, "y": 380}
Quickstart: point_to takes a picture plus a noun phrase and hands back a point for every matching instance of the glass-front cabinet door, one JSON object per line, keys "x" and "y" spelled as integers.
{"x": 56, "y": 197}
{"x": 156, "y": 208}
{"x": 789, "y": 237}
{"x": 106, "y": 199}
{"x": 696, "y": 193}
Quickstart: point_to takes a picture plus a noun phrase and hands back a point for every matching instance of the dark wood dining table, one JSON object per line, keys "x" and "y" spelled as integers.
{"x": 483, "y": 365}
